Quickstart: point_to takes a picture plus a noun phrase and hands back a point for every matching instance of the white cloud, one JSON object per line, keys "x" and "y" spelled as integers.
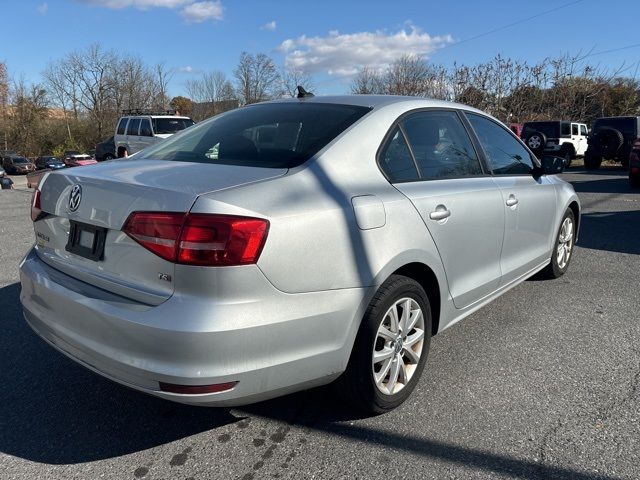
{"x": 199, "y": 12}
{"x": 191, "y": 10}
{"x": 269, "y": 26}
{"x": 42, "y": 9}
{"x": 344, "y": 54}
{"x": 187, "y": 69}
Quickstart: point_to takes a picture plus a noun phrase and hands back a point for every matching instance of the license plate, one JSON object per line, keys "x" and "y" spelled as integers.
{"x": 86, "y": 240}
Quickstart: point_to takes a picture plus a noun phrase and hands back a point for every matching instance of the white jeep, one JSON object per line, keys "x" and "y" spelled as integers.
{"x": 560, "y": 138}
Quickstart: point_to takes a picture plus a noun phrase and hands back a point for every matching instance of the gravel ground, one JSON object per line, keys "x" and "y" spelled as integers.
{"x": 542, "y": 383}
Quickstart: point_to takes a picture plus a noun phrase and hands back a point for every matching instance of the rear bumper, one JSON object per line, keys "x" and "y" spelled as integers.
{"x": 272, "y": 344}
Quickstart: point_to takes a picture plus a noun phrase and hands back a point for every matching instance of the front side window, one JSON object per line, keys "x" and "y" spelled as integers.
{"x": 122, "y": 126}
{"x": 440, "y": 145}
{"x": 583, "y": 130}
{"x": 134, "y": 124}
{"x": 272, "y": 135}
{"x": 395, "y": 159}
{"x": 506, "y": 155}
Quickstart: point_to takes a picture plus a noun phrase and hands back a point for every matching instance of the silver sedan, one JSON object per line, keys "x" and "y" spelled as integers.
{"x": 290, "y": 244}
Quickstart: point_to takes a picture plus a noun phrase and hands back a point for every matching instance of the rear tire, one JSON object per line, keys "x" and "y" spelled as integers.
{"x": 563, "y": 247}
{"x": 401, "y": 350}
{"x": 108, "y": 156}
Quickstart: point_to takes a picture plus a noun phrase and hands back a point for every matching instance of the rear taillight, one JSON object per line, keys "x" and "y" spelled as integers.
{"x": 198, "y": 238}
{"x": 36, "y": 209}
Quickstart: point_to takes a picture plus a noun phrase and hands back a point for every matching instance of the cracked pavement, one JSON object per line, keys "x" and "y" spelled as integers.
{"x": 542, "y": 383}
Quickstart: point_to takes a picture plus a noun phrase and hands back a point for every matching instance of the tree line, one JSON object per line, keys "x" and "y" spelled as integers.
{"x": 82, "y": 94}
{"x": 562, "y": 88}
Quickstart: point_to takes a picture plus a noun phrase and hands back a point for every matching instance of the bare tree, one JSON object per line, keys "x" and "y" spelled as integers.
{"x": 292, "y": 77}
{"x": 368, "y": 81}
{"x": 257, "y": 78}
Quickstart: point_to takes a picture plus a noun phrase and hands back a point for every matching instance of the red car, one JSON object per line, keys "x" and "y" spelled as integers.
{"x": 73, "y": 158}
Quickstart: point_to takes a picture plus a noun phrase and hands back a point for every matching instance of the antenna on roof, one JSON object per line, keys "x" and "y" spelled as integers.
{"x": 302, "y": 93}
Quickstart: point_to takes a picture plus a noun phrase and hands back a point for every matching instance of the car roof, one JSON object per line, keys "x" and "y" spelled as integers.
{"x": 375, "y": 101}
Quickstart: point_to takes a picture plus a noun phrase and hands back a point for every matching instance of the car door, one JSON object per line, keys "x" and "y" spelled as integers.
{"x": 430, "y": 158}
{"x": 132, "y": 135}
{"x": 146, "y": 134}
{"x": 529, "y": 203}
{"x": 582, "y": 142}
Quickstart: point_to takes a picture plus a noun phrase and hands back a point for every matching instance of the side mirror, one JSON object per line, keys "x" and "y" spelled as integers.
{"x": 549, "y": 165}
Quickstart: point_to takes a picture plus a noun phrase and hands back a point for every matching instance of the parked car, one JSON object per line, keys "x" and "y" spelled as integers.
{"x": 634, "y": 164}
{"x": 137, "y": 129}
{"x": 611, "y": 138}
{"x": 106, "y": 150}
{"x": 360, "y": 228}
{"x": 15, "y": 164}
{"x": 563, "y": 138}
{"x": 73, "y": 158}
{"x": 48, "y": 161}
{"x": 516, "y": 128}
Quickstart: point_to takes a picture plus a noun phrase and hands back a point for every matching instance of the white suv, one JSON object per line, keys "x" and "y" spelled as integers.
{"x": 137, "y": 129}
{"x": 561, "y": 138}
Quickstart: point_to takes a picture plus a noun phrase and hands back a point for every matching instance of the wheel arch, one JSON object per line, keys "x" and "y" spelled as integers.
{"x": 427, "y": 279}
{"x": 575, "y": 208}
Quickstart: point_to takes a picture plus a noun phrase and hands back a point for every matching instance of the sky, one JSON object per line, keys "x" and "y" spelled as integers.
{"x": 328, "y": 39}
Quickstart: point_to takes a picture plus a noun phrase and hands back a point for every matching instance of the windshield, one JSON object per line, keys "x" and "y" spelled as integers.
{"x": 170, "y": 125}
{"x": 272, "y": 135}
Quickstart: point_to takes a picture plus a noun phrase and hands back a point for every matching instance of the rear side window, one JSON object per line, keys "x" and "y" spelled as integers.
{"x": 440, "y": 145}
{"x": 170, "y": 125}
{"x": 272, "y": 135}
{"x": 574, "y": 129}
{"x": 122, "y": 126}
{"x": 583, "y": 130}
{"x": 134, "y": 123}
{"x": 395, "y": 159}
{"x": 506, "y": 155}
{"x": 628, "y": 126}
{"x": 565, "y": 129}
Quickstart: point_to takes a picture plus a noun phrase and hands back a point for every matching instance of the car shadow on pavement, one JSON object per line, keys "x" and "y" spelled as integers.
{"x": 54, "y": 411}
{"x": 618, "y": 184}
{"x": 611, "y": 231}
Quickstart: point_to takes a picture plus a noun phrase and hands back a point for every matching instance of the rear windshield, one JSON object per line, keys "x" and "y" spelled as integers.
{"x": 550, "y": 129}
{"x": 626, "y": 125}
{"x": 19, "y": 160}
{"x": 170, "y": 125}
{"x": 272, "y": 135}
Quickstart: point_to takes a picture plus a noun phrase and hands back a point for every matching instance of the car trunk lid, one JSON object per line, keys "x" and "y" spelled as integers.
{"x": 109, "y": 193}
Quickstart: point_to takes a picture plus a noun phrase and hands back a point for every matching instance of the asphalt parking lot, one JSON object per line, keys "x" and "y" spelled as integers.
{"x": 542, "y": 383}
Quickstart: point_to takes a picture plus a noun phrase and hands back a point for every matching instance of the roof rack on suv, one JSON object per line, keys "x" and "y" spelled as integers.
{"x": 139, "y": 111}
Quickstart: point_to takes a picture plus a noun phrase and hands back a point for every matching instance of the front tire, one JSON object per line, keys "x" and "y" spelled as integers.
{"x": 563, "y": 247}
{"x": 391, "y": 347}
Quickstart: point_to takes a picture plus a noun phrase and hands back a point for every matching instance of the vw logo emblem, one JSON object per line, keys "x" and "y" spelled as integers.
{"x": 74, "y": 198}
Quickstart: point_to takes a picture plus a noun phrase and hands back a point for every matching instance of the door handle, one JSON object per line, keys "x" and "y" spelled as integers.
{"x": 512, "y": 201}
{"x": 440, "y": 213}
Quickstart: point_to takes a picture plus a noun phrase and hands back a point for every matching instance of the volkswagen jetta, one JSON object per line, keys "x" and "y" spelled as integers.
{"x": 288, "y": 244}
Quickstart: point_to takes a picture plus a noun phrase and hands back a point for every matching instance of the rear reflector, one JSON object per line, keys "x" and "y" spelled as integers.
{"x": 196, "y": 389}
{"x": 36, "y": 208}
{"x": 199, "y": 238}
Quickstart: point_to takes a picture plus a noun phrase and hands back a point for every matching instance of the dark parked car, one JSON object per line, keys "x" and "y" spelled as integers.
{"x": 48, "y": 161}
{"x": 106, "y": 150}
{"x": 611, "y": 138}
{"x": 634, "y": 165}
{"x": 16, "y": 164}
